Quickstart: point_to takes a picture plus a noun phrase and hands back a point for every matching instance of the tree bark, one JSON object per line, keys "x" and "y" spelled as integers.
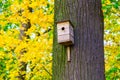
{"x": 87, "y": 53}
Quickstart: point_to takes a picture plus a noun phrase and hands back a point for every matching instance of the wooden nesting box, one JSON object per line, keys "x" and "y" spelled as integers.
{"x": 65, "y": 33}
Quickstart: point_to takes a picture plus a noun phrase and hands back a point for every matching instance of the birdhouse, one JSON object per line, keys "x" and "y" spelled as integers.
{"x": 65, "y": 33}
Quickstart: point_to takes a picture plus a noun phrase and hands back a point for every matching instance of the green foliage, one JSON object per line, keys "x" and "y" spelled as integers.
{"x": 111, "y": 9}
{"x": 28, "y": 58}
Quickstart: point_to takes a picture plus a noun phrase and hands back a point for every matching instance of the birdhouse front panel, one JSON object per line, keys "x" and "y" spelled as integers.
{"x": 65, "y": 33}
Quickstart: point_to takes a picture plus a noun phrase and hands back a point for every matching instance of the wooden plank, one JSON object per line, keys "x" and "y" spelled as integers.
{"x": 65, "y": 31}
{"x": 66, "y": 38}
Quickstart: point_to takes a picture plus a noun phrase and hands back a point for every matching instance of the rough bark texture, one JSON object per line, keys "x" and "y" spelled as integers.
{"x": 87, "y": 53}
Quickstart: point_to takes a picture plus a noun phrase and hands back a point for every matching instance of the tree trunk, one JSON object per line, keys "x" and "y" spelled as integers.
{"x": 23, "y": 65}
{"x": 87, "y": 53}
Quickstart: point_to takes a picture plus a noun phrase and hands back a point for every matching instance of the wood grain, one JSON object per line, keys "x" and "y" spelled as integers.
{"x": 87, "y": 53}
